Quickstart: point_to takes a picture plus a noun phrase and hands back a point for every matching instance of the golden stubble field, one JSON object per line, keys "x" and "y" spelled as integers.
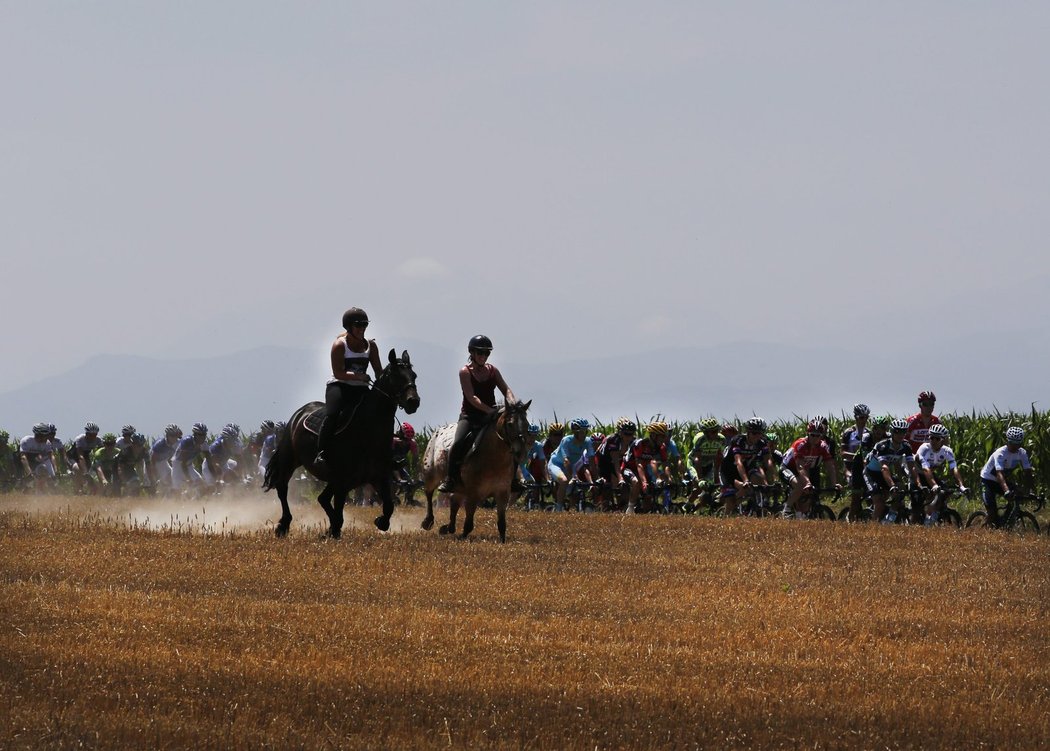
{"x": 581, "y": 632}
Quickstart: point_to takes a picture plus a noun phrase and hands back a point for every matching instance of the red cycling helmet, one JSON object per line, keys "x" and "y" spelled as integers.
{"x": 408, "y": 431}
{"x": 927, "y": 396}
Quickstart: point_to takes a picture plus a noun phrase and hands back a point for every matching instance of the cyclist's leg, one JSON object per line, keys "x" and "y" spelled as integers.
{"x": 990, "y": 492}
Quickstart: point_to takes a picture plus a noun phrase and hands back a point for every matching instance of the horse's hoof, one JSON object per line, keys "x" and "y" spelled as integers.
{"x": 427, "y": 523}
{"x": 382, "y": 523}
{"x": 281, "y": 530}
{"x": 445, "y": 529}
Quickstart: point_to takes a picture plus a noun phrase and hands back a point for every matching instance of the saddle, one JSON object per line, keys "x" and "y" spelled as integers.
{"x": 313, "y": 421}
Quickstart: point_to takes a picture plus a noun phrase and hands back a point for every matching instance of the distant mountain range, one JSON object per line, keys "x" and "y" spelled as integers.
{"x": 772, "y": 380}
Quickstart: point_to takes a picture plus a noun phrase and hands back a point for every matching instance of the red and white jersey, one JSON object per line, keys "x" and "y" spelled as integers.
{"x": 919, "y": 430}
{"x": 805, "y": 454}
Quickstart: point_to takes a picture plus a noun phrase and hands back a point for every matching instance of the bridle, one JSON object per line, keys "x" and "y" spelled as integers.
{"x": 409, "y": 383}
{"x": 513, "y": 414}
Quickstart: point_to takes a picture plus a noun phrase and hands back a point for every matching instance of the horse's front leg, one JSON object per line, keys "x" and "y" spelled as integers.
{"x": 501, "y": 515}
{"x": 453, "y": 509}
{"x": 341, "y": 494}
{"x": 428, "y": 520}
{"x": 335, "y": 527}
{"x": 286, "y": 513}
{"x": 468, "y": 522}
{"x": 385, "y": 487}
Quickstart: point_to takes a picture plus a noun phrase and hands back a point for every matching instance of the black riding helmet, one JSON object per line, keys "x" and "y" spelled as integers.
{"x": 354, "y": 315}
{"x": 479, "y": 343}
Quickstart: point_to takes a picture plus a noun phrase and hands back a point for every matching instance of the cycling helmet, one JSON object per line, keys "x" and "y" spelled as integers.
{"x": 708, "y": 423}
{"x": 51, "y": 429}
{"x": 938, "y": 431}
{"x": 90, "y": 428}
{"x": 534, "y": 429}
{"x": 172, "y": 429}
{"x": 579, "y": 424}
{"x": 555, "y": 428}
{"x": 479, "y": 343}
{"x": 138, "y": 439}
{"x": 756, "y": 424}
{"x": 624, "y": 425}
{"x": 899, "y": 425}
{"x": 597, "y": 438}
{"x": 658, "y": 428}
{"x": 4, "y": 435}
{"x": 1014, "y": 435}
{"x": 40, "y": 428}
{"x": 861, "y": 410}
{"x": 927, "y": 396}
{"x": 729, "y": 430}
{"x": 880, "y": 420}
{"x": 266, "y": 426}
{"x": 822, "y": 424}
{"x": 354, "y": 315}
{"x": 127, "y": 431}
{"x": 279, "y": 426}
{"x": 200, "y": 429}
{"x": 109, "y": 439}
{"x": 813, "y": 427}
{"x": 408, "y": 431}
{"x": 772, "y": 437}
{"x": 231, "y": 431}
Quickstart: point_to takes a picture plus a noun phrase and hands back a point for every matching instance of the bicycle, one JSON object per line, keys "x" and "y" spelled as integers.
{"x": 817, "y": 510}
{"x": 942, "y": 513}
{"x": 404, "y": 491}
{"x": 1011, "y": 516}
{"x": 576, "y": 494}
{"x": 537, "y": 496}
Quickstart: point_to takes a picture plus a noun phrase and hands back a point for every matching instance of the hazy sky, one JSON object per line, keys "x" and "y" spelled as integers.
{"x": 182, "y": 179}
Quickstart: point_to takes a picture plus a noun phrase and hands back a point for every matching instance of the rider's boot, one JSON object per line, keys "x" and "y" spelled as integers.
{"x": 323, "y": 434}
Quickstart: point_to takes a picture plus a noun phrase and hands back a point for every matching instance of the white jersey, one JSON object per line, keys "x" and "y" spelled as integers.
{"x": 1006, "y": 461}
{"x": 37, "y": 449}
{"x": 354, "y": 362}
{"x": 927, "y": 458}
{"x": 85, "y": 445}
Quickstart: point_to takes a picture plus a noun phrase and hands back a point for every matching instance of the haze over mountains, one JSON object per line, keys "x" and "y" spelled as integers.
{"x": 772, "y": 380}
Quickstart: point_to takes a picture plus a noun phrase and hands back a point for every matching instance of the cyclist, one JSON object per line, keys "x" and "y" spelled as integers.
{"x": 160, "y": 454}
{"x": 220, "y": 463}
{"x": 571, "y": 460}
{"x": 853, "y": 439}
{"x": 189, "y": 449}
{"x": 705, "y": 455}
{"x": 799, "y": 465}
{"x": 996, "y": 475}
{"x": 79, "y": 457}
{"x": 610, "y": 456}
{"x": 132, "y": 464}
{"x": 931, "y": 457}
{"x": 642, "y": 460}
{"x": 919, "y": 423}
{"x": 269, "y": 446}
{"x": 58, "y": 456}
{"x": 104, "y": 462}
{"x": 887, "y": 457}
{"x": 125, "y": 436}
{"x": 745, "y": 459}
{"x": 7, "y": 460}
{"x": 405, "y": 453}
{"x": 555, "y": 432}
{"x": 350, "y": 356}
{"x": 257, "y": 439}
{"x": 478, "y": 379}
{"x": 729, "y": 432}
{"x": 860, "y": 441}
{"x": 533, "y": 468}
{"x": 37, "y": 455}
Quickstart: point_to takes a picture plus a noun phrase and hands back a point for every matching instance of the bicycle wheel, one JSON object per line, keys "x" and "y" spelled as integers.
{"x": 1025, "y": 523}
{"x": 822, "y": 512}
{"x": 949, "y": 518}
{"x": 977, "y": 519}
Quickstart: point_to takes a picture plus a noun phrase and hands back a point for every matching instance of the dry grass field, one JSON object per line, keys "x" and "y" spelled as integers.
{"x": 581, "y": 632}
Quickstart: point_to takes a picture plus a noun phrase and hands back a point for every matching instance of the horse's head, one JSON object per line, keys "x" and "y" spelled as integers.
{"x": 398, "y": 382}
{"x": 512, "y": 427}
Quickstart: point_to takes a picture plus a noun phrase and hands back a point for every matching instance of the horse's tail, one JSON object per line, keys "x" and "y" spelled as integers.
{"x": 281, "y": 454}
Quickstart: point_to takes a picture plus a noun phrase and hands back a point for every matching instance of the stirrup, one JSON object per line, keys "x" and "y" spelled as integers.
{"x": 446, "y": 485}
